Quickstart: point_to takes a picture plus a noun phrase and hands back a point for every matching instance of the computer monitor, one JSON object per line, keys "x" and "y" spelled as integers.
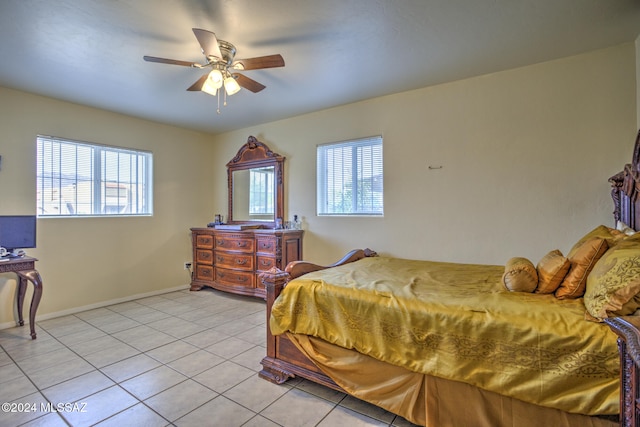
{"x": 17, "y": 232}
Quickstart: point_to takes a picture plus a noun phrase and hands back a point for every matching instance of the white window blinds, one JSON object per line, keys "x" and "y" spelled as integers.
{"x": 79, "y": 179}
{"x": 349, "y": 177}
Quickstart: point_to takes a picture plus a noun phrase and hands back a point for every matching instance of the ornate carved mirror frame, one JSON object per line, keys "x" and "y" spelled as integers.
{"x": 254, "y": 155}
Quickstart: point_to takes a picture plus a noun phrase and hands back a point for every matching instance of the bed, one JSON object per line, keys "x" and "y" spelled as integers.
{"x": 445, "y": 344}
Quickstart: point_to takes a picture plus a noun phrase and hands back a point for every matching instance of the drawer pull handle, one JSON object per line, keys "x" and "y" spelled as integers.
{"x": 219, "y": 258}
{"x": 265, "y": 262}
{"x": 219, "y": 242}
{"x": 242, "y": 279}
{"x": 242, "y": 244}
{"x": 241, "y": 261}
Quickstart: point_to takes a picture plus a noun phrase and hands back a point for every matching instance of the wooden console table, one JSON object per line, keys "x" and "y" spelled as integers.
{"x": 25, "y": 268}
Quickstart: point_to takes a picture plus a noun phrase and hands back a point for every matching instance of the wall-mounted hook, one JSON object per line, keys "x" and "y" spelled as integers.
{"x": 435, "y": 167}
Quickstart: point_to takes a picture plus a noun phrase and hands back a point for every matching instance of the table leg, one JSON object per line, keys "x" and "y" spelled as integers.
{"x": 22, "y": 290}
{"x": 34, "y": 277}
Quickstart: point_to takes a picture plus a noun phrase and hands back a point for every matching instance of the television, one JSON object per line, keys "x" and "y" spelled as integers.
{"x": 17, "y": 232}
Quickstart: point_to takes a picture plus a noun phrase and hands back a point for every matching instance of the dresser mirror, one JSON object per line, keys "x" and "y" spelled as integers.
{"x": 255, "y": 185}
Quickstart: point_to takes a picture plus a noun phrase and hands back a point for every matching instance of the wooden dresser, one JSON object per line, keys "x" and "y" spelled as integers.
{"x": 231, "y": 261}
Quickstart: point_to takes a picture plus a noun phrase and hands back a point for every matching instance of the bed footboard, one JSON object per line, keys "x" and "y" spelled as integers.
{"x": 298, "y": 268}
{"x": 283, "y": 359}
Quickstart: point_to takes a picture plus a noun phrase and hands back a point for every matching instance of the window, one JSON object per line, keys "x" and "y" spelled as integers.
{"x": 78, "y": 178}
{"x": 350, "y": 177}
{"x": 261, "y": 191}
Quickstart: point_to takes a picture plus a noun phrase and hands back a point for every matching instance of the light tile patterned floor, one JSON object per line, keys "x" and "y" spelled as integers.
{"x": 177, "y": 359}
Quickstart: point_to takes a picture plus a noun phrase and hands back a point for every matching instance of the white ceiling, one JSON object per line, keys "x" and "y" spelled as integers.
{"x": 336, "y": 51}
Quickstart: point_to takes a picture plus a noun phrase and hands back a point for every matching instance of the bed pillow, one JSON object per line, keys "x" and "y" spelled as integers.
{"x": 613, "y": 286}
{"x": 611, "y": 235}
{"x": 520, "y": 275}
{"x": 552, "y": 269}
{"x": 621, "y": 226}
{"x": 582, "y": 259}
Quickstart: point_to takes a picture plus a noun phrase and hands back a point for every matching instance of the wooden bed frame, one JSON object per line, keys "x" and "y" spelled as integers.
{"x": 284, "y": 360}
{"x": 625, "y": 193}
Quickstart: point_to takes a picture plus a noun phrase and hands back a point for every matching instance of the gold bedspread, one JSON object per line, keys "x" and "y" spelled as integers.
{"x": 456, "y": 321}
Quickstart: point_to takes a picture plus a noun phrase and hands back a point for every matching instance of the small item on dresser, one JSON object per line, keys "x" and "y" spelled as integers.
{"x": 217, "y": 220}
{"x": 237, "y": 226}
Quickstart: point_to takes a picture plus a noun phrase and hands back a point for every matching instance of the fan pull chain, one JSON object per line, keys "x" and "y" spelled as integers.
{"x": 218, "y": 110}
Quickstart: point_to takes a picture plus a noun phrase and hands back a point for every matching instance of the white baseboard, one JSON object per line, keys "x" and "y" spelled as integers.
{"x": 7, "y": 325}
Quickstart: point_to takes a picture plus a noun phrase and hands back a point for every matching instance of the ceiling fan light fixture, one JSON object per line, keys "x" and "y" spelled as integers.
{"x": 215, "y": 78}
{"x": 209, "y": 88}
{"x": 231, "y": 85}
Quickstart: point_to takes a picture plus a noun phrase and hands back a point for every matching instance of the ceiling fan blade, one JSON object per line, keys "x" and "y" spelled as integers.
{"x": 208, "y": 42}
{"x": 198, "y": 85}
{"x": 269, "y": 61}
{"x": 171, "y": 61}
{"x": 248, "y": 83}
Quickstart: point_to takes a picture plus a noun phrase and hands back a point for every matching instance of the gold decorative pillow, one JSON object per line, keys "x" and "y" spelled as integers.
{"x": 552, "y": 269}
{"x": 612, "y": 236}
{"x": 582, "y": 260}
{"x": 613, "y": 286}
{"x": 520, "y": 275}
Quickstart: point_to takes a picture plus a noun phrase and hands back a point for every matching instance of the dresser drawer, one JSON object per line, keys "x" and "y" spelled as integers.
{"x": 204, "y": 241}
{"x": 234, "y": 278}
{"x": 204, "y": 256}
{"x": 234, "y": 260}
{"x": 266, "y": 245}
{"x": 265, "y": 263}
{"x": 204, "y": 272}
{"x": 234, "y": 243}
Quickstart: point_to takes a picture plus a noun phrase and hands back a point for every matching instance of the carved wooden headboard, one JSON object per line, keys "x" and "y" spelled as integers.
{"x": 625, "y": 190}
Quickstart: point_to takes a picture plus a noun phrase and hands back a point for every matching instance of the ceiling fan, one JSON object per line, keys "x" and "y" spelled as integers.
{"x": 220, "y": 57}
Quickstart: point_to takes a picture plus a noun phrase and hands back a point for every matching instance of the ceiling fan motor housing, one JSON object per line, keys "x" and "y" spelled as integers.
{"x": 228, "y": 51}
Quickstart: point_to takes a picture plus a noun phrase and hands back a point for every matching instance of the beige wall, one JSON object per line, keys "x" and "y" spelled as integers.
{"x": 525, "y": 157}
{"x": 88, "y": 261}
